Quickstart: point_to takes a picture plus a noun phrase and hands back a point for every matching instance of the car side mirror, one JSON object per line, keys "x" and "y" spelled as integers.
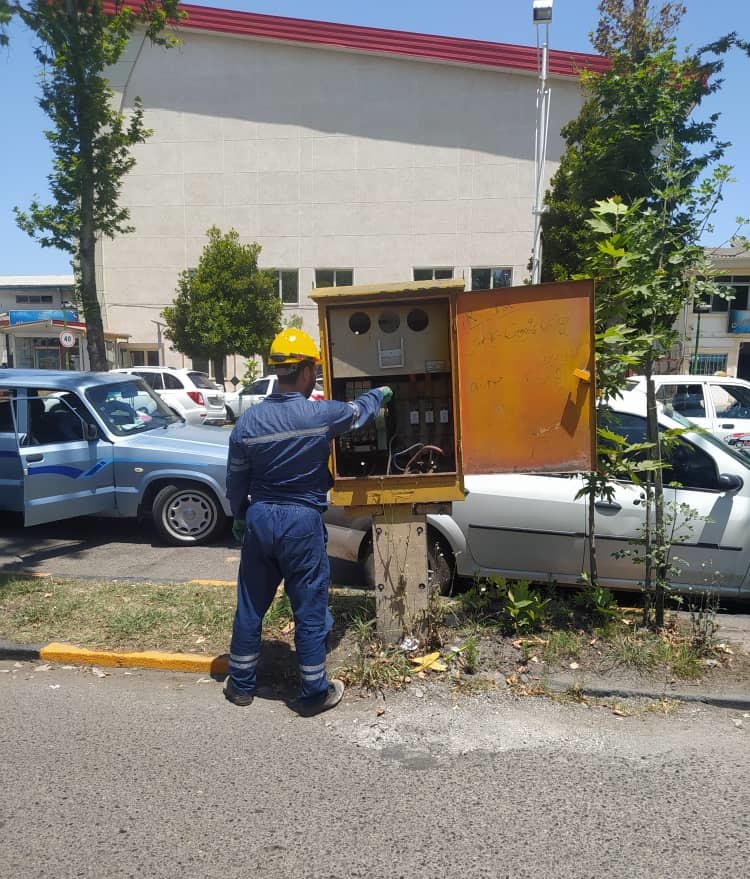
{"x": 91, "y": 431}
{"x": 730, "y": 482}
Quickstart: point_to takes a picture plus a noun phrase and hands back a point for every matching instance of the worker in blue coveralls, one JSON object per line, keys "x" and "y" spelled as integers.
{"x": 277, "y": 486}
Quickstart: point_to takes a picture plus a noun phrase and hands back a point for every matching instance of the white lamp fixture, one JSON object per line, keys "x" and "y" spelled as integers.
{"x": 542, "y": 11}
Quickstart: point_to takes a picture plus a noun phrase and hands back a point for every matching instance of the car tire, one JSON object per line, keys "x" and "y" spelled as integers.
{"x": 439, "y": 563}
{"x": 187, "y": 514}
{"x": 230, "y": 416}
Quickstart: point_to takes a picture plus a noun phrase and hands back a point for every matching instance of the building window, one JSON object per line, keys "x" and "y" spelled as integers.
{"x": 334, "y": 277}
{"x": 435, "y": 274}
{"x": 708, "y": 364}
{"x": 739, "y": 285}
{"x": 144, "y": 358}
{"x": 489, "y": 278}
{"x": 33, "y": 299}
{"x": 287, "y": 285}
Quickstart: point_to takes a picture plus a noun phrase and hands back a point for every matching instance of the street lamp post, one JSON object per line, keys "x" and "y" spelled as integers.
{"x": 542, "y": 19}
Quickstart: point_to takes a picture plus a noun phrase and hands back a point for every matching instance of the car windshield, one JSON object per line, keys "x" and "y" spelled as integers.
{"x": 738, "y": 454}
{"x": 130, "y": 407}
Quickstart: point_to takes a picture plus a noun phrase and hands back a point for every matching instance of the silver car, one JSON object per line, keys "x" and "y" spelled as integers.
{"x": 534, "y": 527}
{"x": 189, "y": 393}
{"x": 80, "y": 444}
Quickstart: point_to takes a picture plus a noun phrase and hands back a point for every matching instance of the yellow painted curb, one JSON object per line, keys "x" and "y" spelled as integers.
{"x": 214, "y": 582}
{"x": 56, "y": 652}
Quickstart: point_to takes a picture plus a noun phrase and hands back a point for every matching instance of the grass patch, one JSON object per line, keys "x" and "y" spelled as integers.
{"x": 117, "y": 615}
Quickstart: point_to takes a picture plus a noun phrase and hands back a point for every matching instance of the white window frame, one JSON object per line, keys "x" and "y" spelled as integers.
{"x": 492, "y": 270}
{"x": 436, "y": 273}
{"x": 335, "y": 278}
{"x": 279, "y": 280}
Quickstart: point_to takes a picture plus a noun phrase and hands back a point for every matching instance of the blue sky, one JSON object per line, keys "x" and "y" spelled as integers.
{"x": 25, "y": 156}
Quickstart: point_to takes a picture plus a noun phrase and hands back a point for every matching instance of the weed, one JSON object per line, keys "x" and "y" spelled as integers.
{"x": 686, "y": 662}
{"x": 482, "y": 598}
{"x": 375, "y": 668}
{"x": 642, "y": 652}
{"x": 563, "y": 644}
{"x": 703, "y": 623}
{"x": 470, "y": 654}
{"x": 279, "y": 613}
{"x": 525, "y": 607}
{"x": 599, "y": 603}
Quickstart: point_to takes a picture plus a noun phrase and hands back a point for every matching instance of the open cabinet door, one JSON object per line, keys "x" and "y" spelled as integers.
{"x": 526, "y": 378}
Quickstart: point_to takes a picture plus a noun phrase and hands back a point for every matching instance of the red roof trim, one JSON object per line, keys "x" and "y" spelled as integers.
{"x": 381, "y": 41}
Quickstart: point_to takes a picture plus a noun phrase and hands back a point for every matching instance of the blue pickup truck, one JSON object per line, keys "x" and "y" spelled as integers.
{"x": 84, "y": 443}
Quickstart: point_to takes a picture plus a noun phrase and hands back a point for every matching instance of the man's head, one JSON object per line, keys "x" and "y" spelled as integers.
{"x": 295, "y": 357}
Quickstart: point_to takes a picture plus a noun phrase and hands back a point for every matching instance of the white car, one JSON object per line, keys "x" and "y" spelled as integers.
{"x": 525, "y": 526}
{"x": 238, "y": 401}
{"x": 188, "y": 392}
{"x": 719, "y": 403}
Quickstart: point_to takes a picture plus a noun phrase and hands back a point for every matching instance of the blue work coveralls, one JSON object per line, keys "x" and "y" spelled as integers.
{"x": 278, "y": 481}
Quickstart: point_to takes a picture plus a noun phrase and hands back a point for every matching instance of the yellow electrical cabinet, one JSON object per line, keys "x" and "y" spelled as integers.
{"x": 484, "y": 381}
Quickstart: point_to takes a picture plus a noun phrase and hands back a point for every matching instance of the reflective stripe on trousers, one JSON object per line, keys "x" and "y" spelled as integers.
{"x": 282, "y": 541}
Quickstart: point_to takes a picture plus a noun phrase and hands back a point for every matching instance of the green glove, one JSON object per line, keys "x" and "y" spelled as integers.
{"x": 238, "y": 529}
{"x": 387, "y": 393}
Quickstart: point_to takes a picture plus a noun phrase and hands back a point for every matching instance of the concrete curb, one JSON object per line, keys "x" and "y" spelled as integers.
{"x": 737, "y": 701}
{"x": 216, "y": 666}
{"x": 57, "y": 652}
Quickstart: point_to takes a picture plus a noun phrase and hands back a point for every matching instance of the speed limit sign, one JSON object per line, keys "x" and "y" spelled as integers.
{"x": 67, "y": 339}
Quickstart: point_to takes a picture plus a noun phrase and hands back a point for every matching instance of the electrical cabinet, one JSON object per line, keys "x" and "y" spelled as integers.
{"x": 483, "y": 381}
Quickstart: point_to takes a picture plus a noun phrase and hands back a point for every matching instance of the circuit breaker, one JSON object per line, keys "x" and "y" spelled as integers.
{"x": 462, "y": 366}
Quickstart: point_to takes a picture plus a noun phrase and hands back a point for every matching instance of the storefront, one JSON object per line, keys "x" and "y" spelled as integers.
{"x": 50, "y": 339}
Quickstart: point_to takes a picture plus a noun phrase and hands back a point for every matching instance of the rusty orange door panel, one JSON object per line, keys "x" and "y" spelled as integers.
{"x": 526, "y": 378}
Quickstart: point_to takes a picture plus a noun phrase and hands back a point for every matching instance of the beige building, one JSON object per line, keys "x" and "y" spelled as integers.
{"x": 352, "y": 155}
{"x": 715, "y": 335}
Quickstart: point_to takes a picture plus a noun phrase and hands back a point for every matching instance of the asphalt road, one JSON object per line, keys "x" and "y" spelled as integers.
{"x": 120, "y": 548}
{"x": 153, "y": 774}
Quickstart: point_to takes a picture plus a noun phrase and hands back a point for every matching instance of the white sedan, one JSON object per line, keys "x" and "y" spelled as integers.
{"x": 238, "y": 401}
{"x": 525, "y": 526}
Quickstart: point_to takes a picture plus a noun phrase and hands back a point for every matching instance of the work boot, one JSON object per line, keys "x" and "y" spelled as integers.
{"x": 241, "y": 699}
{"x": 331, "y": 700}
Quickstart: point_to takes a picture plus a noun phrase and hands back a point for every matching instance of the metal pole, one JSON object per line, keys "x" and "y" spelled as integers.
{"x": 542, "y": 18}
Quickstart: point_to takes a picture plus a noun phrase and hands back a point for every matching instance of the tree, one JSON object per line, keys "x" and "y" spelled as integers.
{"x": 226, "y": 306}
{"x": 90, "y": 139}
{"x": 635, "y": 157}
{"x": 646, "y": 100}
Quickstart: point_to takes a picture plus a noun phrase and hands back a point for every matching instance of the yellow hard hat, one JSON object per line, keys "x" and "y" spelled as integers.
{"x": 291, "y": 347}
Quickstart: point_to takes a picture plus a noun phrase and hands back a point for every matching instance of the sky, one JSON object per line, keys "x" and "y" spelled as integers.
{"x": 25, "y": 158}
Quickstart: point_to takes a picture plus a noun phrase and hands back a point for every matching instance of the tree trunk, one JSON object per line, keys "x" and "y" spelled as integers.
{"x": 90, "y": 300}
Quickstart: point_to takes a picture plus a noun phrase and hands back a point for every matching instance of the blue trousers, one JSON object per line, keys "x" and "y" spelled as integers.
{"x": 283, "y": 541}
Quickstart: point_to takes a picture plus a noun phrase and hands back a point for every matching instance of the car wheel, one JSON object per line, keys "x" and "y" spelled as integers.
{"x": 439, "y": 563}
{"x": 186, "y": 514}
{"x": 230, "y": 416}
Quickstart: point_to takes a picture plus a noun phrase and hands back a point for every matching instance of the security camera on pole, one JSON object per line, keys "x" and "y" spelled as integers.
{"x": 542, "y": 19}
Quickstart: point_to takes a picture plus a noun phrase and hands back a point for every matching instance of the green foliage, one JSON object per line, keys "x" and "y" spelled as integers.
{"x": 525, "y": 607}
{"x": 76, "y": 44}
{"x": 599, "y": 603}
{"x": 483, "y": 597}
{"x": 643, "y": 105}
{"x": 226, "y": 306}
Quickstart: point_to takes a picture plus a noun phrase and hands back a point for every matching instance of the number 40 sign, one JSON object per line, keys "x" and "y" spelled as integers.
{"x": 67, "y": 339}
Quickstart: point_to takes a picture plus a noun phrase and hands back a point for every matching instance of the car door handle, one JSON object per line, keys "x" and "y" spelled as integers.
{"x": 729, "y": 426}
{"x": 607, "y": 505}
{"x": 33, "y": 458}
